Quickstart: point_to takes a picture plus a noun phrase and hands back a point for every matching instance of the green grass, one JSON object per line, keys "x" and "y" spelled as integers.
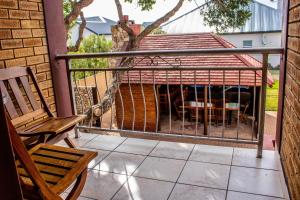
{"x": 272, "y": 97}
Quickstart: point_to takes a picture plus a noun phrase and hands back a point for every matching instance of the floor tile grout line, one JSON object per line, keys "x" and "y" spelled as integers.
{"x": 240, "y": 166}
{"x": 89, "y": 198}
{"x": 128, "y": 177}
{"x": 251, "y": 167}
{"x": 114, "y": 150}
{"x": 160, "y": 180}
{"x": 181, "y": 172}
{"x": 110, "y": 152}
{"x": 86, "y": 141}
{"x": 229, "y": 174}
{"x": 264, "y": 195}
{"x": 82, "y": 146}
{"x": 181, "y": 183}
{"x": 101, "y": 160}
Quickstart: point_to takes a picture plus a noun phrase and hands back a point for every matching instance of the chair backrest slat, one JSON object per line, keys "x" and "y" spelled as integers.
{"x": 22, "y": 104}
{"x": 39, "y": 91}
{"x": 30, "y": 95}
{"x": 9, "y": 105}
{"x": 19, "y": 96}
{"x": 12, "y": 72}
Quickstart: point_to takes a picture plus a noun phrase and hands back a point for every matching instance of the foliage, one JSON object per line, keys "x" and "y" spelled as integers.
{"x": 226, "y": 14}
{"x": 158, "y": 31}
{"x": 144, "y": 4}
{"x": 91, "y": 44}
{"x": 272, "y": 97}
{"x": 221, "y": 14}
{"x": 67, "y": 7}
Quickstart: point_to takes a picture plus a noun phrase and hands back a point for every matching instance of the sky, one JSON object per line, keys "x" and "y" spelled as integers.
{"x": 107, "y": 8}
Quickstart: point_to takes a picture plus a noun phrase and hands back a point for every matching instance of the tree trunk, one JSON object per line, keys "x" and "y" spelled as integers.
{"x": 80, "y": 34}
{"x": 134, "y": 41}
{"x": 76, "y": 10}
{"x": 77, "y": 6}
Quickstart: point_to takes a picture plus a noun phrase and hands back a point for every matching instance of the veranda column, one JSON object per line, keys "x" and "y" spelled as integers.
{"x": 56, "y": 37}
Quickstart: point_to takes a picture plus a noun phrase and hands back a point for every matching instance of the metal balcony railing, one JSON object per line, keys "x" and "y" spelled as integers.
{"x": 150, "y": 90}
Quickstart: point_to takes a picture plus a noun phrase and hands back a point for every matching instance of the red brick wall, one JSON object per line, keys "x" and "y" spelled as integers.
{"x": 290, "y": 149}
{"x": 23, "y": 41}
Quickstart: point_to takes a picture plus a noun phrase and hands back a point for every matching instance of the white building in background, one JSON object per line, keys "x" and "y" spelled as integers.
{"x": 94, "y": 25}
{"x": 263, "y": 29}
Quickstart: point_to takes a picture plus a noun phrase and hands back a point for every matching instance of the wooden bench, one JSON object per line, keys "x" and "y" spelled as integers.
{"x": 22, "y": 107}
{"x": 46, "y": 171}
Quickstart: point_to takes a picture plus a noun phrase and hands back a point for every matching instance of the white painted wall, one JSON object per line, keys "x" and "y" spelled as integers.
{"x": 258, "y": 40}
{"x": 74, "y": 34}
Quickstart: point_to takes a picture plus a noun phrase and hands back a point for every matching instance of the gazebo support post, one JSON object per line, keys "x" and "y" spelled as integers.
{"x": 205, "y": 111}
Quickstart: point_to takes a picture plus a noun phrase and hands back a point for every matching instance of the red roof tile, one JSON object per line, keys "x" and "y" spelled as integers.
{"x": 194, "y": 41}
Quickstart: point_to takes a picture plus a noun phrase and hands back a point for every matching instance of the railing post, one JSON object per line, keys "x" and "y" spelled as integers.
{"x": 262, "y": 106}
{"x": 72, "y": 95}
{"x": 95, "y": 102}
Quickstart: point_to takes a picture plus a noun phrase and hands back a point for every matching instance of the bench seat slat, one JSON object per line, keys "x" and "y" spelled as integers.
{"x": 47, "y": 177}
{"x": 53, "y": 161}
{"x": 58, "y": 155}
{"x": 51, "y": 169}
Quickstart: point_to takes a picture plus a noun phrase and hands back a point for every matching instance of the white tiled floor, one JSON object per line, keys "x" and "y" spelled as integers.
{"x": 172, "y": 150}
{"x": 131, "y": 169}
{"x": 212, "y": 154}
{"x": 104, "y": 142}
{"x": 146, "y": 189}
{"x": 184, "y": 192}
{"x": 205, "y": 174}
{"x": 164, "y": 169}
{"x": 247, "y": 158}
{"x": 120, "y": 163}
{"x": 137, "y": 146}
{"x": 256, "y": 181}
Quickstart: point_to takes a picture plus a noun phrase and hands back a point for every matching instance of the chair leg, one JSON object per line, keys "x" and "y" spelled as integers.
{"x": 69, "y": 142}
{"x": 78, "y": 187}
{"x": 77, "y": 134}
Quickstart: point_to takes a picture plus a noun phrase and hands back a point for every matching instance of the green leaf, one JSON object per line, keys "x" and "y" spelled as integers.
{"x": 91, "y": 44}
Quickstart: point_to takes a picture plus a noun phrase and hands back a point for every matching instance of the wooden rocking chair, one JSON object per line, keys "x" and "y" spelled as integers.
{"x": 24, "y": 107}
{"x": 46, "y": 171}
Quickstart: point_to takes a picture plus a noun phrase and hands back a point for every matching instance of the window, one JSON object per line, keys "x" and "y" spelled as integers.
{"x": 247, "y": 43}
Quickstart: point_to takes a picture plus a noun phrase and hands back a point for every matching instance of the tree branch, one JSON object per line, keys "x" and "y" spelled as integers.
{"x": 80, "y": 34}
{"x": 221, "y": 4}
{"x": 123, "y": 24}
{"x": 119, "y": 9}
{"x": 158, "y": 22}
{"x": 76, "y": 10}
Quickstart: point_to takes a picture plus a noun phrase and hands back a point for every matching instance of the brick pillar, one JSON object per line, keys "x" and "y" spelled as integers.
{"x": 290, "y": 143}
